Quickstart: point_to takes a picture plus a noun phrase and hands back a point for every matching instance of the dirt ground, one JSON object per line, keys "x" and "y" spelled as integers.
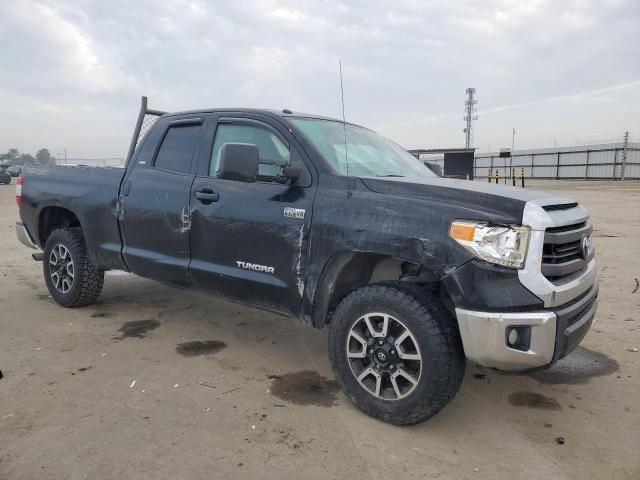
{"x": 156, "y": 383}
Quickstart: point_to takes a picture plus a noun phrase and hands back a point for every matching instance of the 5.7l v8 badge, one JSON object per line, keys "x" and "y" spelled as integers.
{"x": 294, "y": 213}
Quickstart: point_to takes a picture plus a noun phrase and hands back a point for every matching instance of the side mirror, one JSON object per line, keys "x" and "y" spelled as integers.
{"x": 238, "y": 161}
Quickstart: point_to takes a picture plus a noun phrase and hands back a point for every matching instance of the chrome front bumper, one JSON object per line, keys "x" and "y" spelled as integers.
{"x": 553, "y": 334}
{"x": 23, "y": 235}
{"x": 484, "y": 338}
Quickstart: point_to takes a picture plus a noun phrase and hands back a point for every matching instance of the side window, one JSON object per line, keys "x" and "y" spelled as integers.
{"x": 269, "y": 145}
{"x": 177, "y": 148}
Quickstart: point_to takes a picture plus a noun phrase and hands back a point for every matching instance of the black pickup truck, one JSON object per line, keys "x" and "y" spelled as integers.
{"x": 328, "y": 222}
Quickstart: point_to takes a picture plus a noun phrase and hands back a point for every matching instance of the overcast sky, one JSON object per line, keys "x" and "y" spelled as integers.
{"x": 72, "y": 72}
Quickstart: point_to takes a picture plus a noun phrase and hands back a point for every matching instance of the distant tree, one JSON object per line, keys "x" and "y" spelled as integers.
{"x": 12, "y": 156}
{"x": 26, "y": 159}
{"x": 43, "y": 157}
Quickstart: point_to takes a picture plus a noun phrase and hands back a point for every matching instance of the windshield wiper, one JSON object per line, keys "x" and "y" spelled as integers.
{"x": 390, "y": 175}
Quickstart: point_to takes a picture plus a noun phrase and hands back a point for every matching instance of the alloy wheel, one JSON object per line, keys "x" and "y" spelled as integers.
{"x": 61, "y": 268}
{"x": 384, "y": 356}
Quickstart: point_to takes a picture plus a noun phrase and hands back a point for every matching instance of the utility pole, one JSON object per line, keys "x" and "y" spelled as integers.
{"x": 470, "y": 115}
{"x": 624, "y": 154}
{"x": 513, "y": 145}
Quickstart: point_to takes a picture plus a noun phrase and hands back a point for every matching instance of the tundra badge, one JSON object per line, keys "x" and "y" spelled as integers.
{"x": 255, "y": 267}
{"x": 294, "y": 213}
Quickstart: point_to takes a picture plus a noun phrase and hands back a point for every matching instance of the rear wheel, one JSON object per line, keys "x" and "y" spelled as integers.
{"x": 396, "y": 352}
{"x": 72, "y": 280}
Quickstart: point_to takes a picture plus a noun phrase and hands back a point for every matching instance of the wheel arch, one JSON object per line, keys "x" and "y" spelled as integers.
{"x": 53, "y": 217}
{"x": 347, "y": 271}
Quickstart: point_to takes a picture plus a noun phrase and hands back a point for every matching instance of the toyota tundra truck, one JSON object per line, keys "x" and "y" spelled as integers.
{"x": 328, "y": 222}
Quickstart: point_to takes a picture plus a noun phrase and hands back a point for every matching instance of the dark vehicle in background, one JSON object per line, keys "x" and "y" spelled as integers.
{"x": 330, "y": 223}
{"x": 5, "y": 178}
{"x": 14, "y": 170}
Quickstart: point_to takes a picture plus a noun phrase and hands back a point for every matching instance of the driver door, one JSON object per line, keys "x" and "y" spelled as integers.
{"x": 250, "y": 243}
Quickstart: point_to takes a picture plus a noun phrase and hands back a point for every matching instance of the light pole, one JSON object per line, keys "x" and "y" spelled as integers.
{"x": 513, "y": 143}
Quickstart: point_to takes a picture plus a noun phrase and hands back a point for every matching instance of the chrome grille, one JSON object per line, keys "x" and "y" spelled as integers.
{"x": 562, "y": 253}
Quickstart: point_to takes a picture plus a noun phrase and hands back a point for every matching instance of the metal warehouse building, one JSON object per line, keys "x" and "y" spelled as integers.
{"x": 598, "y": 162}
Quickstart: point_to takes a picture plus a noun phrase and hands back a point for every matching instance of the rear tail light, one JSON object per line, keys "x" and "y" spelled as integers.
{"x": 19, "y": 183}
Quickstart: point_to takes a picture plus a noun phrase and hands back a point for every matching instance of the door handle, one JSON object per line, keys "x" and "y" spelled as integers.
{"x": 207, "y": 196}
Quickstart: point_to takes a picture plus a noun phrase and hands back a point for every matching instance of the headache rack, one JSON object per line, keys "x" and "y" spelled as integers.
{"x": 146, "y": 119}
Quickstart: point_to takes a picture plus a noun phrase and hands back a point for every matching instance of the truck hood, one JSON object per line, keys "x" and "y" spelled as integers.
{"x": 498, "y": 203}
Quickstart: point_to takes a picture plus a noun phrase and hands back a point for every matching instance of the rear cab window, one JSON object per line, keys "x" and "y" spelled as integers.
{"x": 177, "y": 147}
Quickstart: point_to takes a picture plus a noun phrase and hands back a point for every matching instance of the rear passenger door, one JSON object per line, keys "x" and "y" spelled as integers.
{"x": 250, "y": 243}
{"x": 155, "y": 201}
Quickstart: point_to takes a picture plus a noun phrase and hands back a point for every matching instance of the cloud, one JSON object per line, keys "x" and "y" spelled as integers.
{"x": 406, "y": 64}
{"x": 60, "y": 53}
{"x": 591, "y": 94}
{"x": 287, "y": 14}
{"x": 582, "y": 96}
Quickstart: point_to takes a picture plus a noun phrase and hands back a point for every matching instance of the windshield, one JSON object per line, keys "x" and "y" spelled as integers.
{"x": 367, "y": 154}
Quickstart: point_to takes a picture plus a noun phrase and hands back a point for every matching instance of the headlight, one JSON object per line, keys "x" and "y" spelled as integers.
{"x": 504, "y": 245}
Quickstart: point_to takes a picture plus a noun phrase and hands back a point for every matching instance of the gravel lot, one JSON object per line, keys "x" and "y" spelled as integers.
{"x": 158, "y": 383}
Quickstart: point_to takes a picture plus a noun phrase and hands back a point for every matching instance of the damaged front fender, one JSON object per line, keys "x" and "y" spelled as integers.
{"x": 354, "y": 230}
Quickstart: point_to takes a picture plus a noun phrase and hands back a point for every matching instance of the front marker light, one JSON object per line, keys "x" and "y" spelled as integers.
{"x": 504, "y": 245}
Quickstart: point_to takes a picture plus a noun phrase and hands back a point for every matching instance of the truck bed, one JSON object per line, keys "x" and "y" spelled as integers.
{"x": 88, "y": 193}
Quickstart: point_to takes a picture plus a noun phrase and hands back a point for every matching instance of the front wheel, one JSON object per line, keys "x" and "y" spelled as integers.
{"x": 396, "y": 352}
{"x": 72, "y": 280}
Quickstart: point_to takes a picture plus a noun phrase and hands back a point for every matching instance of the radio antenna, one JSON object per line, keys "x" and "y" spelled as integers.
{"x": 344, "y": 121}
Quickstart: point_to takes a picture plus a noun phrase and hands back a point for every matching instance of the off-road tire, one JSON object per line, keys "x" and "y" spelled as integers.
{"x": 438, "y": 339}
{"x": 88, "y": 280}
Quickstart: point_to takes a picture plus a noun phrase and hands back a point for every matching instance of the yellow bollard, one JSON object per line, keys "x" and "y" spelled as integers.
{"x": 522, "y": 176}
